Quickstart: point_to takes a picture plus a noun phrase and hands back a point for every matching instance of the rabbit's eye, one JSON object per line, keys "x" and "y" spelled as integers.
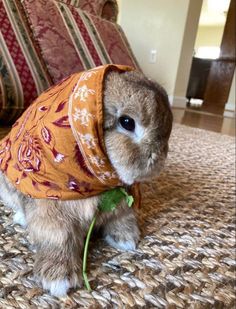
{"x": 127, "y": 123}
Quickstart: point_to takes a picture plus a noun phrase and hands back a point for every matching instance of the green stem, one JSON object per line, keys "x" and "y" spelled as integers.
{"x": 86, "y": 254}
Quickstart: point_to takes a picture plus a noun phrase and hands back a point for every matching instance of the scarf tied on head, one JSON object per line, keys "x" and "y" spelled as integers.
{"x": 56, "y": 149}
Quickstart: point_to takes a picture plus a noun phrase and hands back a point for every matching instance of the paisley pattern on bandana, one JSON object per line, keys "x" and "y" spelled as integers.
{"x": 56, "y": 149}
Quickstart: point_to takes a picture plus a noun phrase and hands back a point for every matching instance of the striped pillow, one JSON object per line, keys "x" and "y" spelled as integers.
{"x": 75, "y": 3}
{"x": 107, "y": 9}
{"x": 72, "y": 40}
{"x": 23, "y": 75}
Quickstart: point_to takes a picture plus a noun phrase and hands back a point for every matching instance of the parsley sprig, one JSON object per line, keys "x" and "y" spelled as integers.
{"x": 108, "y": 202}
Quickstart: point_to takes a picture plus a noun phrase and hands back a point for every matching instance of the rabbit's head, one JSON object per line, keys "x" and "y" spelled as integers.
{"x": 137, "y": 125}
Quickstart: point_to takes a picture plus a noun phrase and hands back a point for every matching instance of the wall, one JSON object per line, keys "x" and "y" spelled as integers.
{"x": 209, "y": 36}
{"x": 185, "y": 60}
{"x": 160, "y": 25}
{"x": 230, "y": 106}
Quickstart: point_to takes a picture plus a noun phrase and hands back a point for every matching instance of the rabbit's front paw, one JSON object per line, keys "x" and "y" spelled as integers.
{"x": 124, "y": 245}
{"x": 19, "y": 218}
{"x": 60, "y": 287}
{"x": 122, "y": 232}
{"x": 58, "y": 273}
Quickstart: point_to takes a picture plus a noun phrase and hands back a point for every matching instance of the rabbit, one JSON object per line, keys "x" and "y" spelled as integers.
{"x": 137, "y": 125}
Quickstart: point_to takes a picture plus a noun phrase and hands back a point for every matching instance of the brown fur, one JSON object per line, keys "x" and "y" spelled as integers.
{"x": 58, "y": 228}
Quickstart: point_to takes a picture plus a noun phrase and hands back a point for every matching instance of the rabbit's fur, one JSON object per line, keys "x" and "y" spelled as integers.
{"x": 57, "y": 228}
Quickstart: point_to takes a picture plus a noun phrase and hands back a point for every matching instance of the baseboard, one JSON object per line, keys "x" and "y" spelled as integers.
{"x": 181, "y": 102}
{"x": 229, "y": 110}
{"x": 229, "y": 114}
{"x": 178, "y": 101}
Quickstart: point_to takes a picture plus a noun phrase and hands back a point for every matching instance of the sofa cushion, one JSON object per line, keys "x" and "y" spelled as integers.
{"x": 72, "y": 40}
{"x": 107, "y": 9}
{"x": 23, "y": 75}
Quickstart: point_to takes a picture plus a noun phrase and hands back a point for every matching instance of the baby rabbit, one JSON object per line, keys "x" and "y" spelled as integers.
{"x": 113, "y": 131}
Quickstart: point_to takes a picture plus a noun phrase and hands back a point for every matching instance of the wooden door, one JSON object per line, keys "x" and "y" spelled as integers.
{"x": 222, "y": 69}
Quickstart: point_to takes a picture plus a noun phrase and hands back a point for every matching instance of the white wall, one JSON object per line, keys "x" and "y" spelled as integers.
{"x": 230, "y": 106}
{"x": 160, "y": 25}
{"x": 209, "y": 36}
{"x": 187, "y": 48}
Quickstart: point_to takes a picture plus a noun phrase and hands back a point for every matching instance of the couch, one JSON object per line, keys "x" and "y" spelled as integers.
{"x": 42, "y": 42}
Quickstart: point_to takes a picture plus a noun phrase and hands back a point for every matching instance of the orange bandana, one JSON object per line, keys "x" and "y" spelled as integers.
{"x": 56, "y": 149}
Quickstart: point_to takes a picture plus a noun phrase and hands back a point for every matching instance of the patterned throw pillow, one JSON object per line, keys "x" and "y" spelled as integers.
{"x": 107, "y": 9}
{"x": 75, "y": 3}
{"x": 22, "y": 73}
{"x": 71, "y": 40}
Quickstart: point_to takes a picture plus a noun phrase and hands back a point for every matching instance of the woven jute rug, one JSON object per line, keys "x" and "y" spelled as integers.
{"x": 186, "y": 256}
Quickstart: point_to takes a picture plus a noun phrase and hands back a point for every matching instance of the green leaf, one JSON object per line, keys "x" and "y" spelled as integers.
{"x": 110, "y": 199}
{"x": 129, "y": 200}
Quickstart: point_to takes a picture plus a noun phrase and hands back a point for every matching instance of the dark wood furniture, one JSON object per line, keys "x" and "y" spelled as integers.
{"x": 198, "y": 78}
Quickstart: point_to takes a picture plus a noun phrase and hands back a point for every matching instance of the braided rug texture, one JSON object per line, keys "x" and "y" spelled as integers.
{"x": 186, "y": 256}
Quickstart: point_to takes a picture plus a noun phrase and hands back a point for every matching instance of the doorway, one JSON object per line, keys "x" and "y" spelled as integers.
{"x": 213, "y": 63}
